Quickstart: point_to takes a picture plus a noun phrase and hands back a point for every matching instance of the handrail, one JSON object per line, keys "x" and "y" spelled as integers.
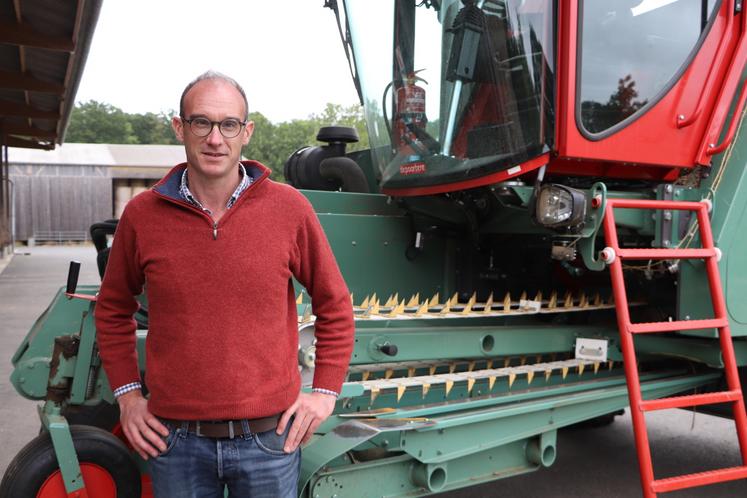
{"x": 735, "y": 73}
{"x": 684, "y": 122}
{"x": 732, "y": 125}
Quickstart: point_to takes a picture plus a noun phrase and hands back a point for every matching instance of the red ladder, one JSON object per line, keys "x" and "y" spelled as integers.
{"x": 613, "y": 256}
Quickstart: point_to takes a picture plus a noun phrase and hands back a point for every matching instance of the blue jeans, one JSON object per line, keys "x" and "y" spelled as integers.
{"x": 251, "y": 466}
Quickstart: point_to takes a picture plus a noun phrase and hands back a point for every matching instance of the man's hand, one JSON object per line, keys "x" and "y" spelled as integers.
{"x": 310, "y": 411}
{"x": 140, "y": 426}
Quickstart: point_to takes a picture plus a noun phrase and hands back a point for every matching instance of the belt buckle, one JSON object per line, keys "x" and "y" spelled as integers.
{"x": 198, "y": 433}
{"x": 231, "y": 434}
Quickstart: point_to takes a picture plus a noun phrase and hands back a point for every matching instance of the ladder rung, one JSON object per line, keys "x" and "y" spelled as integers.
{"x": 691, "y": 400}
{"x": 653, "y": 327}
{"x": 666, "y": 253}
{"x": 698, "y": 479}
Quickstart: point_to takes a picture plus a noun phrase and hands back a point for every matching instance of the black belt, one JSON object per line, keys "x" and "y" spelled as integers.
{"x": 226, "y": 428}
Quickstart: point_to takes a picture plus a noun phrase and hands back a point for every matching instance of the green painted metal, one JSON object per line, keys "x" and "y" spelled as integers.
{"x": 726, "y": 185}
{"x": 31, "y": 359}
{"x": 64, "y": 449}
{"x": 471, "y": 440}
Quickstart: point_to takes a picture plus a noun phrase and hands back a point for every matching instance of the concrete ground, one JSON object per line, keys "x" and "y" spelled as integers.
{"x": 595, "y": 463}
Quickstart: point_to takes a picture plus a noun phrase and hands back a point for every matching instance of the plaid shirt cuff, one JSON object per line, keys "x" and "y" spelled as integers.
{"x": 132, "y": 386}
{"x": 324, "y": 391}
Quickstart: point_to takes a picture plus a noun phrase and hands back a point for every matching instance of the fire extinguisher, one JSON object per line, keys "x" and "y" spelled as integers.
{"x": 409, "y": 111}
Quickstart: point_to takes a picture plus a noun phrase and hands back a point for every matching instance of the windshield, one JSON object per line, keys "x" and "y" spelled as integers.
{"x": 453, "y": 90}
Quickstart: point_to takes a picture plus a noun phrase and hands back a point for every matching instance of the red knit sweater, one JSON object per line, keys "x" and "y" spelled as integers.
{"x": 222, "y": 339}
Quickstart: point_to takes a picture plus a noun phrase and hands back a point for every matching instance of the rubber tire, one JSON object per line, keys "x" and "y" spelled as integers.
{"x": 36, "y": 461}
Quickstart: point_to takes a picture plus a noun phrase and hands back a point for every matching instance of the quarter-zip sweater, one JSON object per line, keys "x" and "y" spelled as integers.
{"x": 222, "y": 323}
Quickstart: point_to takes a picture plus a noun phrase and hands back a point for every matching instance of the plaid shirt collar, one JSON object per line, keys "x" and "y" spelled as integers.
{"x": 184, "y": 191}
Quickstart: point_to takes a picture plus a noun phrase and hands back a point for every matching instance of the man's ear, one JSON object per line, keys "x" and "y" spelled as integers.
{"x": 248, "y": 130}
{"x": 178, "y": 125}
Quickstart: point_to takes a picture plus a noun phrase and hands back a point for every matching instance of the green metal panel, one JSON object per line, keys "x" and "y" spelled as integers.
{"x": 64, "y": 449}
{"x": 370, "y": 251}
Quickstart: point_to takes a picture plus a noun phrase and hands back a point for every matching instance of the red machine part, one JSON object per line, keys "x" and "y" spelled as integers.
{"x": 614, "y": 255}
{"x": 97, "y": 480}
{"x": 679, "y": 131}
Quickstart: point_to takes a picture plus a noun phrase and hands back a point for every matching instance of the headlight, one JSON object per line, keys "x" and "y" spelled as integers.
{"x": 560, "y": 207}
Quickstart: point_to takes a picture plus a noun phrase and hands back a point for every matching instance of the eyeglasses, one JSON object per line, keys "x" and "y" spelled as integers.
{"x": 202, "y": 127}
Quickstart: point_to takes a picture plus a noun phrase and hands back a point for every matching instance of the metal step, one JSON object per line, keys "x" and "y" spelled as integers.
{"x": 674, "y": 326}
{"x": 699, "y": 479}
{"x": 691, "y": 400}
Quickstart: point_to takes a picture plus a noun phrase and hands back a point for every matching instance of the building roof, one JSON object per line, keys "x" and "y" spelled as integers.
{"x": 157, "y": 156}
{"x": 43, "y": 48}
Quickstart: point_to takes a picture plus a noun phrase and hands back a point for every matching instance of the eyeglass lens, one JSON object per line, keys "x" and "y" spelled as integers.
{"x": 202, "y": 127}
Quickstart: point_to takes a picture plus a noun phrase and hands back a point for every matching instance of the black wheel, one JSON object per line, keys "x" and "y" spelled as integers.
{"x": 107, "y": 467}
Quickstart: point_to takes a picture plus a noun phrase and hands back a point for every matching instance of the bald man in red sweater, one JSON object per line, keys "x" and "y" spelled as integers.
{"x": 216, "y": 244}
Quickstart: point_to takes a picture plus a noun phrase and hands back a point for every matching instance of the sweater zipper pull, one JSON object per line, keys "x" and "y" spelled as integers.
{"x": 215, "y": 230}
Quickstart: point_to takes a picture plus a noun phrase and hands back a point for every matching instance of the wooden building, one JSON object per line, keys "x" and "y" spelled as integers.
{"x": 58, "y": 194}
{"x": 43, "y": 48}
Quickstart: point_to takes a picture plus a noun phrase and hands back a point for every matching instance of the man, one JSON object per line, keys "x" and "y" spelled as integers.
{"x": 216, "y": 243}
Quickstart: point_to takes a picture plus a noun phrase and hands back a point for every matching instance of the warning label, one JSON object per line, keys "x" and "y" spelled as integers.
{"x": 412, "y": 168}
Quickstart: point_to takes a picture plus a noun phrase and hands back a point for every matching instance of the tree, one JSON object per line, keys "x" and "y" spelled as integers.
{"x": 96, "y": 122}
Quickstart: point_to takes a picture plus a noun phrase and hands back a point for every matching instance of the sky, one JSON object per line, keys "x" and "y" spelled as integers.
{"x": 287, "y": 55}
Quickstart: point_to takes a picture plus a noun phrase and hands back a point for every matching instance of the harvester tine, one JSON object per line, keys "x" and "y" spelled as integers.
{"x": 581, "y": 368}
{"x": 376, "y": 308}
{"x": 568, "y": 300}
{"x": 365, "y": 375}
{"x": 467, "y": 308}
{"x": 374, "y": 394}
{"x": 523, "y": 361}
{"x": 388, "y": 302}
{"x": 506, "y": 362}
{"x": 548, "y": 374}
{"x": 471, "y": 366}
{"x": 470, "y": 385}
{"x": 366, "y": 313}
{"x": 411, "y": 372}
{"x": 400, "y": 391}
{"x": 454, "y": 299}
{"x": 365, "y": 303}
{"x": 352, "y": 303}
{"x": 511, "y": 379}
{"x": 611, "y": 364}
{"x": 445, "y": 309}
{"x": 489, "y": 364}
{"x": 565, "y": 372}
{"x": 426, "y": 388}
{"x": 373, "y": 298}
{"x": 449, "y": 385}
{"x": 596, "y": 367}
{"x": 530, "y": 376}
{"x": 538, "y": 359}
{"x": 553, "y": 303}
{"x": 538, "y": 297}
{"x": 388, "y": 373}
{"x": 434, "y": 300}
{"x": 523, "y": 296}
{"x": 583, "y": 301}
{"x": 452, "y": 367}
{"x": 423, "y": 309}
{"x": 431, "y": 369}
{"x": 488, "y": 304}
{"x": 491, "y": 382}
{"x": 507, "y": 303}
{"x": 299, "y": 299}
{"x": 306, "y": 314}
{"x": 414, "y": 300}
{"x": 597, "y": 299}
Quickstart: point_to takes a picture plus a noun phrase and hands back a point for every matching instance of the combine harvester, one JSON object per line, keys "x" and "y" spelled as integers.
{"x": 549, "y": 226}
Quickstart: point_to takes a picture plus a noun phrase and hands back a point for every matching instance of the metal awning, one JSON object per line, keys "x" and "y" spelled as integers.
{"x": 43, "y": 49}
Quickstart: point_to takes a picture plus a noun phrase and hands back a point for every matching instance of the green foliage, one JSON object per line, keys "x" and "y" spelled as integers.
{"x": 271, "y": 143}
{"x": 98, "y": 123}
